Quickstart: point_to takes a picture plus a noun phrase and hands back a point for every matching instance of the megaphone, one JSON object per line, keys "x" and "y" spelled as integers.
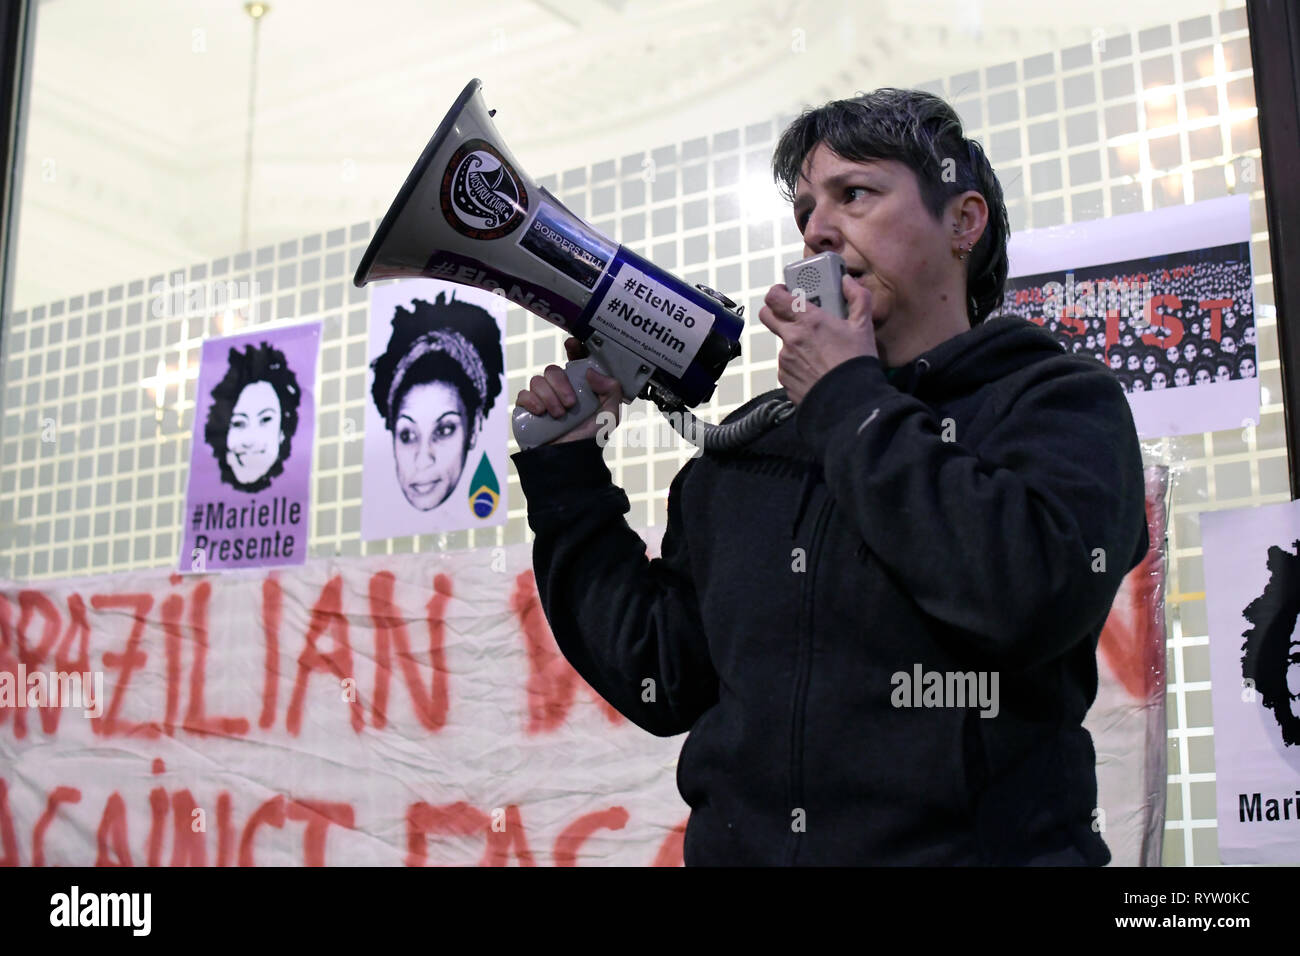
{"x": 468, "y": 213}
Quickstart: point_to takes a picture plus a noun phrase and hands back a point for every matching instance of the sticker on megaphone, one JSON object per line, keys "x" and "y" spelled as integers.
{"x": 562, "y": 241}
{"x": 651, "y": 319}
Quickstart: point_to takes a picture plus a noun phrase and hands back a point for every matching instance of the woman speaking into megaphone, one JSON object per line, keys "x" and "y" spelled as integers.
{"x": 877, "y": 621}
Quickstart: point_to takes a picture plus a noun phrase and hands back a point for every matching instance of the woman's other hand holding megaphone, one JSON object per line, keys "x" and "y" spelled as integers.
{"x": 551, "y": 394}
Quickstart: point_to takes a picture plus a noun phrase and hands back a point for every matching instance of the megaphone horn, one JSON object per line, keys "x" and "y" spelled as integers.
{"x": 468, "y": 213}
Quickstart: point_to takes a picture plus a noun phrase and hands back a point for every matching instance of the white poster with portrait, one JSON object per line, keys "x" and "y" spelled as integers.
{"x": 436, "y": 410}
{"x": 1164, "y": 299}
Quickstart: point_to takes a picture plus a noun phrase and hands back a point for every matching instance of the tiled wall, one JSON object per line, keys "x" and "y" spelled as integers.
{"x": 93, "y": 465}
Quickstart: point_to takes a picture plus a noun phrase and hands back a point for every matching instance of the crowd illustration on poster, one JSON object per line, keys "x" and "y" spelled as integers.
{"x": 1164, "y": 299}
{"x": 1201, "y": 330}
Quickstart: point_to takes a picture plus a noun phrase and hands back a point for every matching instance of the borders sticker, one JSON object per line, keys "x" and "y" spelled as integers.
{"x": 564, "y": 244}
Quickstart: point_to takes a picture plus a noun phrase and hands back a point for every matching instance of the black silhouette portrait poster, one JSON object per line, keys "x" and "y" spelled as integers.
{"x": 251, "y": 454}
{"x": 436, "y": 410}
{"x": 1252, "y": 574}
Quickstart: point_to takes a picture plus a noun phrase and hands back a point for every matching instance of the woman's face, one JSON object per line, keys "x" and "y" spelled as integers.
{"x": 1171, "y": 353}
{"x": 1134, "y": 363}
{"x": 1246, "y": 368}
{"x": 1222, "y": 374}
{"x": 1181, "y": 376}
{"x": 429, "y": 444}
{"x": 872, "y": 214}
{"x": 1189, "y": 351}
{"x": 1116, "y": 360}
{"x": 1149, "y": 364}
{"x": 1203, "y": 376}
{"x": 255, "y": 434}
{"x": 1158, "y": 380}
{"x": 1139, "y": 385}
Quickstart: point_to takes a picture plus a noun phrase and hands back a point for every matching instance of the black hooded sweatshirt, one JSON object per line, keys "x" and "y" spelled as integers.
{"x": 969, "y": 515}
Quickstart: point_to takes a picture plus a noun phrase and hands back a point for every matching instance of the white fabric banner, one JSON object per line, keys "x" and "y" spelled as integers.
{"x": 400, "y": 709}
{"x": 397, "y": 709}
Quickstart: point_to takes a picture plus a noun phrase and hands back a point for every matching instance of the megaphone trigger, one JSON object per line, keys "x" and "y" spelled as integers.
{"x": 532, "y": 430}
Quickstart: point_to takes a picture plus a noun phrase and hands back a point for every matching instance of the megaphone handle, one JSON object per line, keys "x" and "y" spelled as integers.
{"x": 532, "y": 430}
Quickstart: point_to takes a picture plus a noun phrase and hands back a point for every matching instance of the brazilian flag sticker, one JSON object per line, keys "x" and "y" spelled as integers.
{"x": 484, "y": 492}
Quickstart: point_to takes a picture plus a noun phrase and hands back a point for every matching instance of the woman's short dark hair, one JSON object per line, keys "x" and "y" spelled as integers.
{"x": 924, "y": 133}
{"x": 260, "y": 363}
{"x": 472, "y": 324}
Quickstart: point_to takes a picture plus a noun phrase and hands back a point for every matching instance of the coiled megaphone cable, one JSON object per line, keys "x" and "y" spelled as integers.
{"x": 724, "y": 437}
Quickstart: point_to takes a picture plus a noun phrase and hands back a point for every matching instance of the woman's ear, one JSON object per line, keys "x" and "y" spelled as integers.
{"x": 970, "y": 215}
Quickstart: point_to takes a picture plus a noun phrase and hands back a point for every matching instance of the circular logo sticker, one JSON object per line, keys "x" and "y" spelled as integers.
{"x": 482, "y": 197}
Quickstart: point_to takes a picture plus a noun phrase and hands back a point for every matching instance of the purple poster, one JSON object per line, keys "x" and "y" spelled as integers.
{"x": 251, "y": 454}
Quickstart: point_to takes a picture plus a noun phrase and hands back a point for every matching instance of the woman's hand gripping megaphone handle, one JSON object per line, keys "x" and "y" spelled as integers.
{"x": 563, "y": 404}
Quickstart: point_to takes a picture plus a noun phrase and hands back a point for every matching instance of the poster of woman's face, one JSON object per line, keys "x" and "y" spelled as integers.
{"x": 253, "y": 416}
{"x": 251, "y": 453}
{"x": 435, "y": 430}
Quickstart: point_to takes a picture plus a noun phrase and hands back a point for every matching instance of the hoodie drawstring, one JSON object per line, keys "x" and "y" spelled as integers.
{"x": 922, "y": 366}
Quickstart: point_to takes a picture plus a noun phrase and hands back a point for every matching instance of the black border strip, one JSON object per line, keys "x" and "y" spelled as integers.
{"x": 1275, "y": 53}
{"x": 17, "y": 32}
